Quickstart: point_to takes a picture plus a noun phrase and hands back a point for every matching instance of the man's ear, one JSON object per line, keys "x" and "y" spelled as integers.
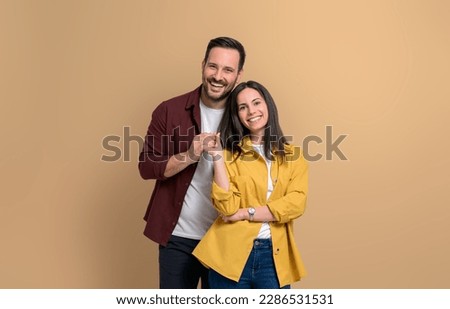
{"x": 238, "y": 79}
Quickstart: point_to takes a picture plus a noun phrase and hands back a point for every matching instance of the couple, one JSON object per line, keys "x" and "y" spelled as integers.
{"x": 224, "y": 216}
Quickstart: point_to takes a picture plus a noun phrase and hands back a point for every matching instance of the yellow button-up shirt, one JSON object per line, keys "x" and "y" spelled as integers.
{"x": 227, "y": 246}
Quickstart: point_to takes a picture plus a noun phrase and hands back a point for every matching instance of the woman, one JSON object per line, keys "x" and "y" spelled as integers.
{"x": 260, "y": 187}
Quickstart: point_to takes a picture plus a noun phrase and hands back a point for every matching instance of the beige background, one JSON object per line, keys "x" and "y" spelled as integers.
{"x": 73, "y": 72}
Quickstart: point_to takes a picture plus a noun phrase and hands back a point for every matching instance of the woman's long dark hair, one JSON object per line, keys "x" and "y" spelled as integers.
{"x": 232, "y": 131}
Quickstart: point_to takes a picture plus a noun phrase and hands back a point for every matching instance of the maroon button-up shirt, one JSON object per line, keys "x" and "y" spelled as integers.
{"x": 173, "y": 126}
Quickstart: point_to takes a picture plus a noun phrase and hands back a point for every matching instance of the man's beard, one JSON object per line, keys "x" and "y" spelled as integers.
{"x": 222, "y": 97}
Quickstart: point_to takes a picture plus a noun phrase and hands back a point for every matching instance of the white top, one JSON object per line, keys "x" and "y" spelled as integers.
{"x": 264, "y": 232}
{"x": 198, "y": 213}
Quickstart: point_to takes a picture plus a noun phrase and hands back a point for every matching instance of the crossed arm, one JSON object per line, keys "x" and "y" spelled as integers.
{"x": 262, "y": 213}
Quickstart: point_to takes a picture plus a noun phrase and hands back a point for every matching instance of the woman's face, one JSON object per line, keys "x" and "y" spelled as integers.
{"x": 252, "y": 111}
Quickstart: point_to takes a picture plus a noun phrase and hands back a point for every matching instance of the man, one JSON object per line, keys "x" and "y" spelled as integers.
{"x": 180, "y": 210}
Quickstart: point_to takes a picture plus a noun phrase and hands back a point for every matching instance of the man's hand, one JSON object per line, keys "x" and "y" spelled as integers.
{"x": 199, "y": 144}
{"x": 180, "y": 161}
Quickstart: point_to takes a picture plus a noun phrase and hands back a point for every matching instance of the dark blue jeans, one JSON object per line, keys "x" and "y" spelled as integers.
{"x": 178, "y": 268}
{"x": 259, "y": 271}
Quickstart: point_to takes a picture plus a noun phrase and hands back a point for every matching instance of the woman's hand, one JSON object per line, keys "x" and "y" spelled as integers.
{"x": 262, "y": 214}
{"x": 214, "y": 146}
{"x": 238, "y": 216}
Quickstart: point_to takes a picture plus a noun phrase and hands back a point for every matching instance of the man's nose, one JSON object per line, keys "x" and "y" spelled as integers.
{"x": 218, "y": 75}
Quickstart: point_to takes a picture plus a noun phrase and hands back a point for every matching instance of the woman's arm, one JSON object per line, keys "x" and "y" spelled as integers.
{"x": 225, "y": 197}
{"x": 262, "y": 214}
{"x": 215, "y": 150}
{"x": 220, "y": 172}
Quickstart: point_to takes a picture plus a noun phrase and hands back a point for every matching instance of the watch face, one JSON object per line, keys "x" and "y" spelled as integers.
{"x": 251, "y": 210}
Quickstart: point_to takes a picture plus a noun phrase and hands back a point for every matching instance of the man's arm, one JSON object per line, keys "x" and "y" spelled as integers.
{"x": 155, "y": 154}
{"x": 180, "y": 161}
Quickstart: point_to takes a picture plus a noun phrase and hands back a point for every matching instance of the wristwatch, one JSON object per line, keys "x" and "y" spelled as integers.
{"x": 251, "y": 213}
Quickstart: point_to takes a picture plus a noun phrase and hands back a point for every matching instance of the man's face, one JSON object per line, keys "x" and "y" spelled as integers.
{"x": 220, "y": 73}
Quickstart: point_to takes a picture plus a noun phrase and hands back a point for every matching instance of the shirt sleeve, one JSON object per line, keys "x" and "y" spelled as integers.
{"x": 155, "y": 153}
{"x": 292, "y": 204}
{"x": 226, "y": 202}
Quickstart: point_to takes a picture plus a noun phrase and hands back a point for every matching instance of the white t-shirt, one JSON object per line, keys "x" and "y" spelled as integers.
{"x": 264, "y": 232}
{"x": 198, "y": 213}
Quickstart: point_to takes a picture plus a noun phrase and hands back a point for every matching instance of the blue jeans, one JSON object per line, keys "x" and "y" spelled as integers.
{"x": 259, "y": 271}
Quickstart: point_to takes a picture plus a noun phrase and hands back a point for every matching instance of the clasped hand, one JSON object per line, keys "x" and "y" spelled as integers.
{"x": 206, "y": 142}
